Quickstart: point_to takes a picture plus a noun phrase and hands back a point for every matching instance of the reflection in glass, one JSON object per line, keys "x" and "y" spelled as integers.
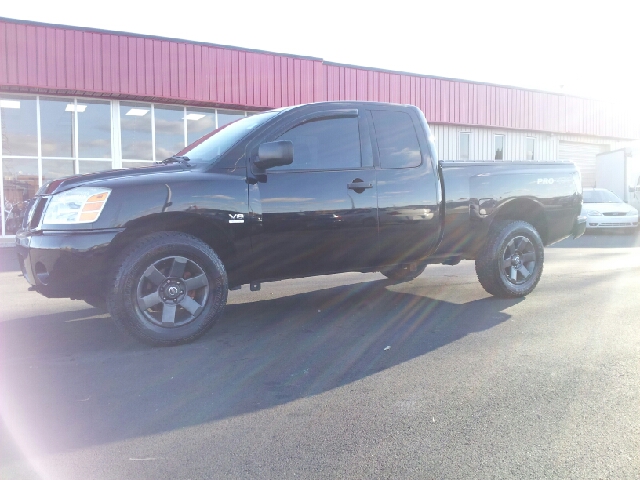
{"x": 169, "y": 131}
{"x": 499, "y": 144}
{"x": 135, "y": 125}
{"x": 136, "y": 164}
{"x": 20, "y": 183}
{"x": 397, "y": 141}
{"x": 199, "y": 123}
{"x": 90, "y": 166}
{"x": 54, "y": 169}
{"x": 228, "y": 116}
{"x": 19, "y": 125}
{"x": 324, "y": 144}
{"x": 56, "y": 127}
{"x": 94, "y": 129}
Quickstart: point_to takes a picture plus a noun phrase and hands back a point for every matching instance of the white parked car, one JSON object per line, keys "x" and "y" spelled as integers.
{"x": 604, "y": 209}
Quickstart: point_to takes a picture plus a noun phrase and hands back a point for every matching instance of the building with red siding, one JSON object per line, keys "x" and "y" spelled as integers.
{"x": 78, "y": 100}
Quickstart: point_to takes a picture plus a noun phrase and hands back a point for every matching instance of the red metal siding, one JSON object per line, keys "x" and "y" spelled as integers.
{"x": 40, "y": 58}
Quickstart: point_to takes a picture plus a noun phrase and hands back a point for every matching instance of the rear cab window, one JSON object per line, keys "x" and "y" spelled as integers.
{"x": 397, "y": 141}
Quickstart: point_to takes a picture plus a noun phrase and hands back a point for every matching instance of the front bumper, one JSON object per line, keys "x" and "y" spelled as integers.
{"x": 604, "y": 221}
{"x": 65, "y": 264}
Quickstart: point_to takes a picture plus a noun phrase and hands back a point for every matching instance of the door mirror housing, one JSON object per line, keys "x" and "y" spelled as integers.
{"x": 274, "y": 154}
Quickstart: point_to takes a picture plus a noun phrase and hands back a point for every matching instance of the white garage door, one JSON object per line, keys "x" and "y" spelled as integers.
{"x": 584, "y": 156}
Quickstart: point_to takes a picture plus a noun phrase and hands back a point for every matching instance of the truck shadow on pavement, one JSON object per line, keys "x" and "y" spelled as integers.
{"x": 73, "y": 380}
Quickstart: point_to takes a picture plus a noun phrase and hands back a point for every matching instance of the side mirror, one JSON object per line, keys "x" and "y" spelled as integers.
{"x": 274, "y": 154}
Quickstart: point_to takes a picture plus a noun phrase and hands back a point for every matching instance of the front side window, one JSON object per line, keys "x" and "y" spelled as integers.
{"x": 398, "y": 145}
{"x": 328, "y": 144}
{"x": 498, "y": 141}
{"x": 464, "y": 145}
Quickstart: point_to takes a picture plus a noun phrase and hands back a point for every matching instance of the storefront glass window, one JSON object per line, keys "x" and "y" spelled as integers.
{"x": 90, "y": 166}
{"x": 227, "y": 116}
{"x": 135, "y": 127}
{"x": 54, "y": 168}
{"x": 20, "y": 183}
{"x": 199, "y": 123}
{"x": 136, "y": 164}
{"x": 169, "y": 130}
{"x": 56, "y": 127}
{"x": 19, "y": 125}
{"x": 94, "y": 129}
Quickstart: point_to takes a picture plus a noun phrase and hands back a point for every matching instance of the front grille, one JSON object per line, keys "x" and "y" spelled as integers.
{"x": 614, "y": 214}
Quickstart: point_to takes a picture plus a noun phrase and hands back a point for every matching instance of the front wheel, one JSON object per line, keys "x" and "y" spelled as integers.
{"x": 510, "y": 265}
{"x": 169, "y": 289}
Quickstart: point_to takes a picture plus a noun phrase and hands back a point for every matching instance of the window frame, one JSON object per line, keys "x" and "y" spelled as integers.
{"x": 376, "y": 144}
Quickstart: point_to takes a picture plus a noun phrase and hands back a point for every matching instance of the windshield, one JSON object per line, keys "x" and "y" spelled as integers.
{"x": 599, "y": 196}
{"x": 212, "y": 146}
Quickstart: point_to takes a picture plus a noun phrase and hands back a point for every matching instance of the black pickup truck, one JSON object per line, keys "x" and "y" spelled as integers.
{"x": 301, "y": 191}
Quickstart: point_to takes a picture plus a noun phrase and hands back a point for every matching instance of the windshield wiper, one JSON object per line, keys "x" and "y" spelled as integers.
{"x": 176, "y": 159}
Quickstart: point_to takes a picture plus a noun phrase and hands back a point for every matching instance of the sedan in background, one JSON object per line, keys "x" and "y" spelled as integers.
{"x": 604, "y": 209}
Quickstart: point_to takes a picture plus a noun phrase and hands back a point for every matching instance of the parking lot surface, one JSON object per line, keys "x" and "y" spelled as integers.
{"x": 341, "y": 376}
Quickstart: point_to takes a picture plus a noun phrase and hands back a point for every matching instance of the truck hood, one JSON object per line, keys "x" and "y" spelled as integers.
{"x": 89, "y": 179}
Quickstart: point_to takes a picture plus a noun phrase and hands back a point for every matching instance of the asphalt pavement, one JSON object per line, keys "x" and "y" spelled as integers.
{"x": 343, "y": 376}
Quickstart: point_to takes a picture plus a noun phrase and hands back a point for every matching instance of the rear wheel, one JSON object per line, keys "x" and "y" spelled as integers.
{"x": 170, "y": 288}
{"x": 510, "y": 265}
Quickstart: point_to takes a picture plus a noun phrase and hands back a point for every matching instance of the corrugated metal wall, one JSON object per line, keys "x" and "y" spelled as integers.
{"x": 481, "y": 143}
{"x": 51, "y": 59}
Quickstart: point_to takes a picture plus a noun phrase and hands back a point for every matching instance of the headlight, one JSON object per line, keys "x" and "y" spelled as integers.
{"x": 632, "y": 212}
{"x": 592, "y": 213}
{"x": 78, "y": 205}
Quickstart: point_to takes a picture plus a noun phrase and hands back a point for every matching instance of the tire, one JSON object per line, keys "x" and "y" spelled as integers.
{"x": 168, "y": 289}
{"x": 401, "y": 273}
{"x": 510, "y": 265}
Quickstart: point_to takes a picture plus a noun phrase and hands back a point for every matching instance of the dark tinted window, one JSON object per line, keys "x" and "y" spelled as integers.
{"x": 397, "y": 141}
{"x": 324, "y": 145}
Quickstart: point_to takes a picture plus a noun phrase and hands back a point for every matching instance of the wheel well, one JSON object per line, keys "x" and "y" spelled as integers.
{"x": 525, "y": 210}
{"x": 194, "y": 225}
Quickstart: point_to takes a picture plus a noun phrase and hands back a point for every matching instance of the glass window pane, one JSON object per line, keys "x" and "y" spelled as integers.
{"x": 228, "y": 116}
{"x": 94, "y": 129}
{"x": 169, "y": 131}
{"x": 56, "y": 127}
{"x": 20, "y": 183}
{"x": 397, "y": 141}
{"x": 136, "y": 164}
{"x": 90, "y": 166}
{"x": 530, "y": 148}
{"x": 54, "y": 169}
{"x": 499, "y": 144}
{"x": 464, "y": 146}
{"x": 19, "y": 125}
{"x": 135, "y": 125}
{"x": 199, "y": 123}
{"x": 324, "y": 144}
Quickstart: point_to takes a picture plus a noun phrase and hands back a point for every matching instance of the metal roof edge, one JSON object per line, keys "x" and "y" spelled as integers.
{"x": 153, "y": 37}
